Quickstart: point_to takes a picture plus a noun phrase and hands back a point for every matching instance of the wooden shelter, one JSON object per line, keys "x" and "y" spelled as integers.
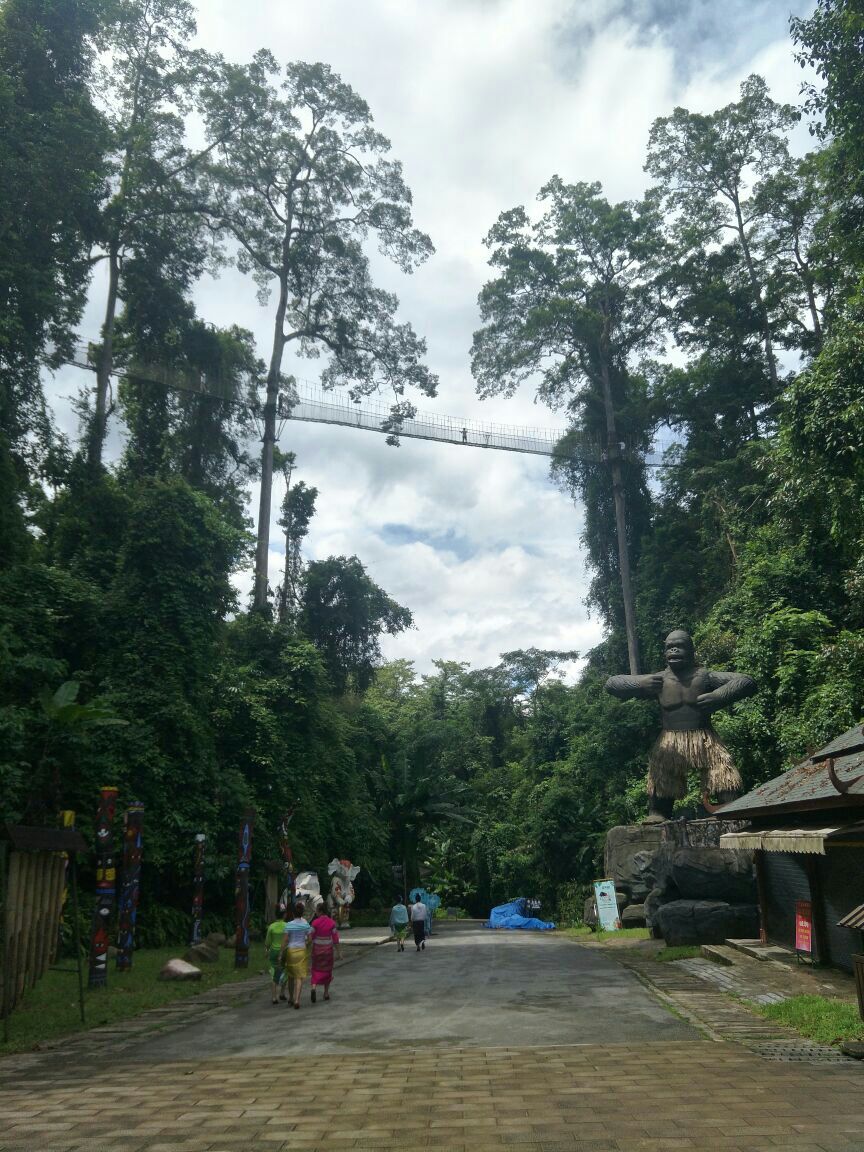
{"x": 807, "y": 832}
{"x": 33, "y": 866}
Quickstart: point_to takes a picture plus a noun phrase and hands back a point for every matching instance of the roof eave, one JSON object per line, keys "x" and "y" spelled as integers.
{"x": 849, "y": 800}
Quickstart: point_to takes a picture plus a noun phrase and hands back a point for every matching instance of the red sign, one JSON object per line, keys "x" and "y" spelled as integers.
{"x": 803, "y": 926}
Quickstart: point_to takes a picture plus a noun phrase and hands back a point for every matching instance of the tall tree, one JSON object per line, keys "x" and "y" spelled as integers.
{"x": 300, "y": 190}
{"x": 151, "y": 229}
{"x": 52, "y": 174}
{"x": 344, "y": 613}
{"x": 706, "y": 166}
{"x": 298, "y": 508}
{"x": 574, "y": 304}
{"x": 831, "y": 40}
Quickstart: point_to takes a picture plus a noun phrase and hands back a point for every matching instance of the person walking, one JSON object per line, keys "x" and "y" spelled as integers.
{"x": 325, "y": 943}
{"x": 399, "y": 924}
{"x": 273, "y": 951}
{"x": 419, "y": 913}
{"x": 295, "y": 952}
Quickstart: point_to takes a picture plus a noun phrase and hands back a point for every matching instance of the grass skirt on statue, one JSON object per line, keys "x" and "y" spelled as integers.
{"x": 675, "y": 753}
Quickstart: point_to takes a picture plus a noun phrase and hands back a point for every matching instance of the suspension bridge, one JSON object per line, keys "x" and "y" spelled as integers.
{"x": 308, "y": 402}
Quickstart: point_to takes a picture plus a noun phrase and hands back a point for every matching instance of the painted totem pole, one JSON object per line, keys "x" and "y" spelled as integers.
{"x": 242, "y": 892}
{"x": 133, "y": 831}
{"x": 106, "y": 889}
{"x": 198, "y": 890}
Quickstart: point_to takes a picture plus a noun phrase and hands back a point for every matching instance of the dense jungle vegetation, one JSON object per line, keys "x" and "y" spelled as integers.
{"x": 724, "y": 312}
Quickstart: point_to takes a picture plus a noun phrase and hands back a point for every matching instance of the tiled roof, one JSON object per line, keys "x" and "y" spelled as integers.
{"x": 809, "y": 783}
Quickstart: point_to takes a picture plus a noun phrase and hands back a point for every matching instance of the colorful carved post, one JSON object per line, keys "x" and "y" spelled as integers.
{"x": 106, "y": 889}
{"x": 198, "y": 890}
{"x": 242, "y": 892}
{"x": 133, "y": 831}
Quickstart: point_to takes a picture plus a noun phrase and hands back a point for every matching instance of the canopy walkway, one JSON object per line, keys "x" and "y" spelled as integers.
{"x": 308, "y": 402}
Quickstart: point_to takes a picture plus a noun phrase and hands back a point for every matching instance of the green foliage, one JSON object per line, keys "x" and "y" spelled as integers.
{"x": 344, "y": 612}
{"x": 50, "y": 1010}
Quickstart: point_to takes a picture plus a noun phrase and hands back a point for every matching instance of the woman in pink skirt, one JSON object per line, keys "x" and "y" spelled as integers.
{"x": 325, "y": 943}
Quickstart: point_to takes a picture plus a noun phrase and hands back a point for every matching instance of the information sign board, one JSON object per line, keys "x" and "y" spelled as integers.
{"x": 803, "y": 926}
{"x": 607, "y": 905}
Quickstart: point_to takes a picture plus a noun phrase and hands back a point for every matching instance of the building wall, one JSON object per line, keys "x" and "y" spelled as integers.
{"x": 840, "y": 874}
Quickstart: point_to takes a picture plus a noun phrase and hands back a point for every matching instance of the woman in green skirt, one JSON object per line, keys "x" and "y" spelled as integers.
{"x": 273, "y": 950}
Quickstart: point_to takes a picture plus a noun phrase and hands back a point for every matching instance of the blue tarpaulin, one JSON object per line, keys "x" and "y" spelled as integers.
{"x": 512, "y": 915}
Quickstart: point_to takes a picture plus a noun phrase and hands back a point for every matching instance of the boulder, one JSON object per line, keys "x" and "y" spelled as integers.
{"x": 589, "y": 915}
{"x": 629, "y": 857}
{"x": 231, "y": 942}
{"x": 203, "y": 953}
{"x": 179, "y": 970}
{"x": 714, "y": 874}
{"x": 705, "y": 921}
{"x": 633, "y": 916}
{"x": 217, "y": 939}
{"x": 622, "y": 900}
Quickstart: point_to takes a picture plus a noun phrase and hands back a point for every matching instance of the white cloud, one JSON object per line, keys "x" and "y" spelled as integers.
{"x": 483, "y": 100}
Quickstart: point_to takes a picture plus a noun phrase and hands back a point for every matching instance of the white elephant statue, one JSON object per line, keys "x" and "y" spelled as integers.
{"x": 341, "y": 894}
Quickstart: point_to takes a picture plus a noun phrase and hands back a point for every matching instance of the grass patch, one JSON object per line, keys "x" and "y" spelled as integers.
{"x": 50, "y": 1010}
{"x": 679, "y": 952}
{"x": 583, "y": 933}
{"x": 819, "y": 1018}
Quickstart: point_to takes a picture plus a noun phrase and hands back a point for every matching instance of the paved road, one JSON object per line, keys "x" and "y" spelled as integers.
{"x": 485, "y": 1041}
{"x": 467, "y": 988}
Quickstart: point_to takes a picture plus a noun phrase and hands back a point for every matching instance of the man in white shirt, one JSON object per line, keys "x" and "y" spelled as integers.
{"x": 418, "y": 923}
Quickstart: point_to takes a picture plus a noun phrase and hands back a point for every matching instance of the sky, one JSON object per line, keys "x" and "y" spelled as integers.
{"x": 483, "y": 101}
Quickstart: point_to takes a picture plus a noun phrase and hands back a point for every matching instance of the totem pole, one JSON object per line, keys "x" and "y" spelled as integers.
{"x": 242, "y": 893}
{"x": 106, "y": 889}
{"x": 133, "y": 831}
{"x": 198, "y": 890}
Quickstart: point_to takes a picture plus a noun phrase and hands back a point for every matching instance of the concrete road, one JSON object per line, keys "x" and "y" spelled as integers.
{"x": 469, "y": 988}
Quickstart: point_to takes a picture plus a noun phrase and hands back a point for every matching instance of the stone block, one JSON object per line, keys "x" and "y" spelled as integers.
{"x": 629, "y": 857}
{"x": 203, "y": 953}
{"x": 714, "y": 874}
{"x": 179, "y": 970}
{"x": 217, "y": 939}
{"x": 633, "y": 916}
{"x": 705, "y": 921}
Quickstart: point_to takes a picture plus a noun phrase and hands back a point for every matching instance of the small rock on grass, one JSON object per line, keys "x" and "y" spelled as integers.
{"x": 179, "y": 970}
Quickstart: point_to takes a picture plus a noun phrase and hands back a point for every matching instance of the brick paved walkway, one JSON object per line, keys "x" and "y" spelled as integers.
{"x": 673, "y": 1090}
{"x": 647, "y": 1098}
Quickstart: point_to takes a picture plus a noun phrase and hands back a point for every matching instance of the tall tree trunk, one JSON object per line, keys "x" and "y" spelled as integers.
{"x": 620, "y": 498}
{"x": 283, "y": 593}
{"x": 767, "y": 341}
{"x": 106, "y": 362}
{"x": 268, "y": 442}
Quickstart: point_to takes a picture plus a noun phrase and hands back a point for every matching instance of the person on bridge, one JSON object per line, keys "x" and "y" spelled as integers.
{"x": 419, "y": 913}
{"x": 399, "y": 923}
{"x": 325, "y": 943}
{"x": 295, "y": 952}
{"x": 273, "y": 951}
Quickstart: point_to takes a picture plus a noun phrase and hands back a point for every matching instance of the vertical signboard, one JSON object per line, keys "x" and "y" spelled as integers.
{"x": 607, "y": 905}
{"x": 804, "y": 927}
